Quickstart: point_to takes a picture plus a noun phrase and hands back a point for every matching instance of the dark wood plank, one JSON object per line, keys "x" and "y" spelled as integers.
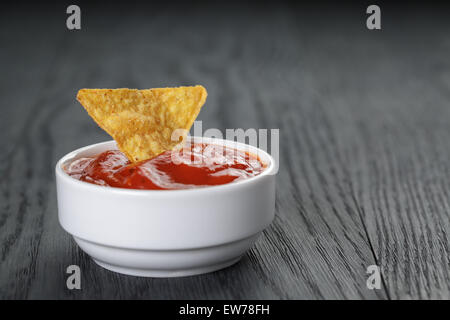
{"x": 401, "y": 167}
{"x": 382, "y": 112}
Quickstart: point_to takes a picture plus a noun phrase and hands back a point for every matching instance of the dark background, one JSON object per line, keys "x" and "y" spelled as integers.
{"x": 364, "y": 119}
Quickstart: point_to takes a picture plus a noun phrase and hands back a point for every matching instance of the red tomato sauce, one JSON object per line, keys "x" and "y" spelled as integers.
{"x": 197, "y": 165}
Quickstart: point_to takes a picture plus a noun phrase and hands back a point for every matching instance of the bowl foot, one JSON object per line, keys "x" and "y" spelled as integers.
{"x": 155, "y": 273}
{"x": 166, "y": 263}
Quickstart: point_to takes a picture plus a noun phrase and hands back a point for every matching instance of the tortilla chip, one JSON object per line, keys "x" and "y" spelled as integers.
{"x": 142, "y": 121}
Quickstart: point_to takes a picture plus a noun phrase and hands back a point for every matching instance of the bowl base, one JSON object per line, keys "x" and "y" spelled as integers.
{"x": 155, "y": 273}
{"x": 166, "y": 263}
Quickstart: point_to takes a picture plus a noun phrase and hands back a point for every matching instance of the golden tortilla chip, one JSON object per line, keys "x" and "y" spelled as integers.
{"x": 142, "y": 121}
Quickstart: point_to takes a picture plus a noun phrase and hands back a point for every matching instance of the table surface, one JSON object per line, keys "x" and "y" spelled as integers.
{"x": 364, "y": 121}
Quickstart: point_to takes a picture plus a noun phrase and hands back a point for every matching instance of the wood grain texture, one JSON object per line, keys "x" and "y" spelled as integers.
{"x": 364, "y": 126}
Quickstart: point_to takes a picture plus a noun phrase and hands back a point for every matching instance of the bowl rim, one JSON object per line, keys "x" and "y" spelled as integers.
{"x": 60, "y": 173}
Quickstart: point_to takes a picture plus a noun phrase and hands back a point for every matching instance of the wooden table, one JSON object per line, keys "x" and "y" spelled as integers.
{"x": 364, "y": 119}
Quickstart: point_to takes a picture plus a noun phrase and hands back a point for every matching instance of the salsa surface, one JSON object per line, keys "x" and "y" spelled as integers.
{"x": 196, "y": 165}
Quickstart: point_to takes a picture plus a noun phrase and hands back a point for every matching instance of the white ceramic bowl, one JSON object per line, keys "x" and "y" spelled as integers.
{"x": 165, "y": 233}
